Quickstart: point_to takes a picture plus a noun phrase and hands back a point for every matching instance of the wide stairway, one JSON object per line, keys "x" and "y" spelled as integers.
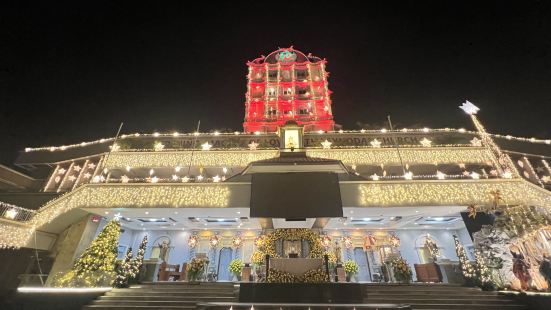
{"x": 165, "y": 295}
{"x": 439, "y": 296}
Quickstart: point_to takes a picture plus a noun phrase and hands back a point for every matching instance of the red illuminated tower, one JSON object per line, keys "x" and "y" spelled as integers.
{"x": 287, "y": 85}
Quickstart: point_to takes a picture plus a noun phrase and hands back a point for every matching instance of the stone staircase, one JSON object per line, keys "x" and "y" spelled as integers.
{"x": 180, "y": 295}
{"x": 439, "y": 296}
{"x": 165, "y": 295}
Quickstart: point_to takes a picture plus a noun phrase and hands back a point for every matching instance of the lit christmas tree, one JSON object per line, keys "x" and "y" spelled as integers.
{"x": 466, "y": 267}
{"x": 136, "y": 263}
{"x": 124, "y": 270}
{"x": 96, "y": 265}
{"x": 483, "y": 272}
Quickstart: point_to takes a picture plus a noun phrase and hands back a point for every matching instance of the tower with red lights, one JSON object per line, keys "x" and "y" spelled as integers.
{"x": 287, "y": 85}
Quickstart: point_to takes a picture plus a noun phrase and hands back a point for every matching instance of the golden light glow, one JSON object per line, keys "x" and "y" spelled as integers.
{"x": 389, "y": 156}
{"x": 135, "y": 196}
{"x": 14, "y": 235}
{"x": 450, "y": 192}
{"x": 173, "y": 159}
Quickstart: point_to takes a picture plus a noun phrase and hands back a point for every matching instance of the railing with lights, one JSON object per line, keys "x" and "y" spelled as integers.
{"x": 15, "y": 213}
{"x": 237, "y": 133}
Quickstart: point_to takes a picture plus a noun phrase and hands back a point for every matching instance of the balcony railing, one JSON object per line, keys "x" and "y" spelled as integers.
{"x": 15, "y": 213}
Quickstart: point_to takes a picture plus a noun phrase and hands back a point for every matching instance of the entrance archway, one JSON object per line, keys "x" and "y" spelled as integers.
{"x": 360, "y": 256}
{"x": 224, "y": 259}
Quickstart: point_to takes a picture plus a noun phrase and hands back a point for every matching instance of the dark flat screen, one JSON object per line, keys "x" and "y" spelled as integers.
{"x": 295, "y": 195}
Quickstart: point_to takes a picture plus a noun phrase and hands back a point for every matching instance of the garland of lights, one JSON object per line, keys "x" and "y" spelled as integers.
{"x": 237, "y": 133}
{"x": 388, "y": 156}
{"x": 449, "y": 192}
{"x": 466, "y": 266}
{"x": 14, "y": 235}
{"x": 241, "y": 158}
{"x": 141, "y": 195}
{"x": 388, "y": 193}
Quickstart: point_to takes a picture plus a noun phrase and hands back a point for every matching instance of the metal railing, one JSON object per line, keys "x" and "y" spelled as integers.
{"x": 15, "y": 213}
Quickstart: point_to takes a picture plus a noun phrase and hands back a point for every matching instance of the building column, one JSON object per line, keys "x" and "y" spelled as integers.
{"x": 70, "y": 244}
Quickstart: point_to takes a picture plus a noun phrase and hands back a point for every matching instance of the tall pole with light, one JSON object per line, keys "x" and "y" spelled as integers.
{"x": 504, "y": 165}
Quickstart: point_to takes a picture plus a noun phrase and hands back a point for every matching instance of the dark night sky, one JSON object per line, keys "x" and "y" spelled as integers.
{"x": 73, "y": 72}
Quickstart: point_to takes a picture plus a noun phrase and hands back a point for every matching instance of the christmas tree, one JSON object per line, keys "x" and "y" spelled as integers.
{"x": 124, "y": 270}
{"x": 136, "y": 263}
{"x": 96, "y": 265}
{"x": 466, "y": 267}
{"x": 483, "y": 273}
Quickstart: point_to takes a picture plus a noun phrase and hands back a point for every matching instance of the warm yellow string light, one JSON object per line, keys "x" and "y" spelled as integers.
{"x": 362, "y": 132}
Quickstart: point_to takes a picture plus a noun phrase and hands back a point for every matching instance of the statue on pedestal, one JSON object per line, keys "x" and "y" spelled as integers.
{"x": 163, "y": 250}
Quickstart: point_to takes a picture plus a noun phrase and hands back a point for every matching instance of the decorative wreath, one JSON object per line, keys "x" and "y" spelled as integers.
{"x": 192, "y": 241}
{"x": 237, "y": 241}
{"x": 213, "y": 241}
{"x": 316, "y": 248}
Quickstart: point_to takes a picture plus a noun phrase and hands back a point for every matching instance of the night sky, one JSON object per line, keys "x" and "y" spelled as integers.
{"x": 72, "y": 72}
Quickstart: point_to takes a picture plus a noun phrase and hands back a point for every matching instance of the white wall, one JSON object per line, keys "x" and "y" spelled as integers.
{"x": 412, "y": 239}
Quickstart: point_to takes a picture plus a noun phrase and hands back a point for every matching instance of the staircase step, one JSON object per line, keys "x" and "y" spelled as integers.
{"x": 157, "y": 303}
{"x": 502, "y": 306}
{"x": 138, "y": 307}
{"x": 156, "y": 297}
{"x": 438, "y": 300}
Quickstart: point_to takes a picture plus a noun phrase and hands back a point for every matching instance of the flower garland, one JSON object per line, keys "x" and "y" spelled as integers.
{"x": 394, "y": 241}
{"x": 369, "y": 242}
{"x": 347, "y": 242}
{"x": 192, "y": 241}
{"x": 213, "y": 241}
{"x": 316, "y": 248}
{"x": 237, "y": 242}
{"x": 312, "y": 276}
{"x": 260, "y": 241}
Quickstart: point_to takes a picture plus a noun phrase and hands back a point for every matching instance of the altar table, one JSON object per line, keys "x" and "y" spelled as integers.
{"x": 296, "y": 266}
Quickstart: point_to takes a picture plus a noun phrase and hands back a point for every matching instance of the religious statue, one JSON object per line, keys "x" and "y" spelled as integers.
{"x": 163, "y": 250}
{"x": 521, "y": 268}
{"x": 338, "y": 253}
{"x": 291, "y": 143}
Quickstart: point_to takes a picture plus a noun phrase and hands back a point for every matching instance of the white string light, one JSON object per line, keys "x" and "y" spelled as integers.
{"x": 361, "y": 131}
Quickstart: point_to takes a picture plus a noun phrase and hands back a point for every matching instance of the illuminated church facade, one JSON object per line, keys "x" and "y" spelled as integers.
{"x": 371, "y": 194}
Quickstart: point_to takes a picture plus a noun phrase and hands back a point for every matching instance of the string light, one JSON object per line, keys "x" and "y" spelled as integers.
{"x": 449, "y": 192}
{"x": 14, "y": 235}
{"x": 175, "y": 159}
{"x": 362, "y": 131}
{"x": 388, "y": 156}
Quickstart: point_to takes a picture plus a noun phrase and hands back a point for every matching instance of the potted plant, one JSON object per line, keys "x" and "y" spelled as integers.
{"x": 235, "y": 268}
{"x": 400, "y": 268}
{"x": 195, "y": 270}
{"x": 351, "y": 269}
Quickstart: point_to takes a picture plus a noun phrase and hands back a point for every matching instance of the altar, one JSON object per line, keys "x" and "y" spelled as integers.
{"x": 296, "y": 266}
